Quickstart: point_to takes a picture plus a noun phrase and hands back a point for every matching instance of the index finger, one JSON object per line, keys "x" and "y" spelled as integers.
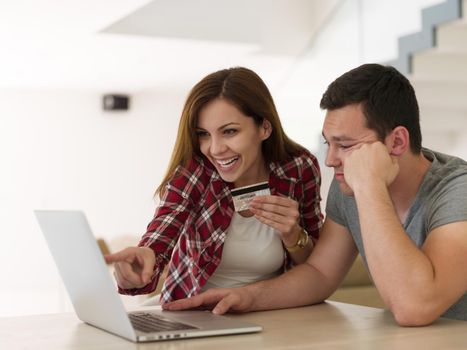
{"x": 116, "y": 257}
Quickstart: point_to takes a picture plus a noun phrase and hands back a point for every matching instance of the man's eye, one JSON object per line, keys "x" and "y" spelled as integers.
{"x": 326, "y": 143}
{"x": 345, "y": 146}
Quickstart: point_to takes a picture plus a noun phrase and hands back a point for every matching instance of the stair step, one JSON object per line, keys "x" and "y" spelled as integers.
{"x": 442, "y": 93}
{"x": 441, "y": 65}
{"x": 439, "y": 77}
{"x": 432, "y": 17}
{"x": 452, "y": 36}
{"x": 442, "y": 119}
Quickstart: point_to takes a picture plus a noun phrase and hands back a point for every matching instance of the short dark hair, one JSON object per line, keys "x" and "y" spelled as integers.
{"x": 387, "y": 98}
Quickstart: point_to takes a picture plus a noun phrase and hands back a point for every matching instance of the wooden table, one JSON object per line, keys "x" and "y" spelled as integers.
{"x": 329, "y": 325}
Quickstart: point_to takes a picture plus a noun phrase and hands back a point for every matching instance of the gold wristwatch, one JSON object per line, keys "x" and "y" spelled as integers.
{"x": 302, "y": 241}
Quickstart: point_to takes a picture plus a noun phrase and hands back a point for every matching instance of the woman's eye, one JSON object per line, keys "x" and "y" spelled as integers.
{"x": 230, "y": 131}
{"x": 201, "y": 133}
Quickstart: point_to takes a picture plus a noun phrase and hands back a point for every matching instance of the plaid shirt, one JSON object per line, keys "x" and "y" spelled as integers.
{"x": 189, "y": 228}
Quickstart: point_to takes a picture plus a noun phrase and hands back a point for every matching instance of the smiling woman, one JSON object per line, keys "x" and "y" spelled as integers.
{"x": 232, "y": 143}
{"x": 229, "y": 136}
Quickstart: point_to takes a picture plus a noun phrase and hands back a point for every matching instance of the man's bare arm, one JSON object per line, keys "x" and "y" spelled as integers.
{"x": 308, "y": 283}
{"x": 418, "y": 285}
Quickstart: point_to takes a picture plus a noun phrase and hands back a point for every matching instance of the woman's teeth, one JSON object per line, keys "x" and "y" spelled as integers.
{"x": 226, "y": 163}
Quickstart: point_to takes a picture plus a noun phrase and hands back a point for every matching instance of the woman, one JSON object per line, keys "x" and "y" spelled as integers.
{"x": 229, "y": 136}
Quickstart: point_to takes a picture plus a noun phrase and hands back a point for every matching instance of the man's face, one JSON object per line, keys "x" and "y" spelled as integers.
{"x": 345, "y": 130}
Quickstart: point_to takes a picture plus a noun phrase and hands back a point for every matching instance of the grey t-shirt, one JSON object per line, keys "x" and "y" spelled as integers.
{"x": 441, "y": 199}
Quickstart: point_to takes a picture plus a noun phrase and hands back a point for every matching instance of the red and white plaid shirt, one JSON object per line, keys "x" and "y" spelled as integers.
{"x": 190, "y": 225}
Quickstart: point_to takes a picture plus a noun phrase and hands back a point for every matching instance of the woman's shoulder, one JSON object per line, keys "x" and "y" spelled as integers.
{"x": 307, "y": 157}
{"x": 299, "y": 162}
{"x": 194, "y": 165}
{"x": 300, "y": 168}
{"x": 197, "y": 171}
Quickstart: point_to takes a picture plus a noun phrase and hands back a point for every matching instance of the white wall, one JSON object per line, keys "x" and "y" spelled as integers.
{"x": 61, "y": 151}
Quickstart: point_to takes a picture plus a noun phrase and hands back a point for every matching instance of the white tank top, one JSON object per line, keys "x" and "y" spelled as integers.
{"x": 252, "y": 252}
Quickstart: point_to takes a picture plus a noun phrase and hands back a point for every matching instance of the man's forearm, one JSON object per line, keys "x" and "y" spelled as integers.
{"x": 303, "y": 285}
{"x": 401, "y": 271}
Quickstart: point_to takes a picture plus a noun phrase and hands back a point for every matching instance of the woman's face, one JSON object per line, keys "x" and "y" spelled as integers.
{"x": 232, "y": 143}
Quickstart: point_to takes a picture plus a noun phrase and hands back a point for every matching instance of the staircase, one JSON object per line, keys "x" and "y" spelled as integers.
{"x": 435, "y": 60}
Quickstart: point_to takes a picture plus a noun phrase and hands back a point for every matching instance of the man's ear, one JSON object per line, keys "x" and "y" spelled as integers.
{"x": 398, "y": 141}
{"x": 266, "y": 129}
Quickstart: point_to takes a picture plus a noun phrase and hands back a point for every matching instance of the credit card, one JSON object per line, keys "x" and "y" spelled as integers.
{"x": 243, "y": 195}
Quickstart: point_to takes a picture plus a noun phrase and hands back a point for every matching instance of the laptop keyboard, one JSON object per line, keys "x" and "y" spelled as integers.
{"x": 148, "y": 322}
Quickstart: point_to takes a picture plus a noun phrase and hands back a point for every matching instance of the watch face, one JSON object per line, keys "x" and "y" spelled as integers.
{"x": 302, "y": 242}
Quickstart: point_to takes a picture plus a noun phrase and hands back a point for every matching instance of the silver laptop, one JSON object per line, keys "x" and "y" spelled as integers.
{"x": 94, "y": 296}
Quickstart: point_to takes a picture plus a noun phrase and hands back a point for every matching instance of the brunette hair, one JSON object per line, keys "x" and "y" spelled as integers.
{"x": 244, "y": 89}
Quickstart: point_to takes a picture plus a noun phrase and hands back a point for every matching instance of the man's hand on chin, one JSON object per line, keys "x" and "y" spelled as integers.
{"x": 371, "y": 163}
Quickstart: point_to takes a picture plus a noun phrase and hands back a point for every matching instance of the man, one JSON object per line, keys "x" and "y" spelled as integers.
{"x": 402, "y": 207}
